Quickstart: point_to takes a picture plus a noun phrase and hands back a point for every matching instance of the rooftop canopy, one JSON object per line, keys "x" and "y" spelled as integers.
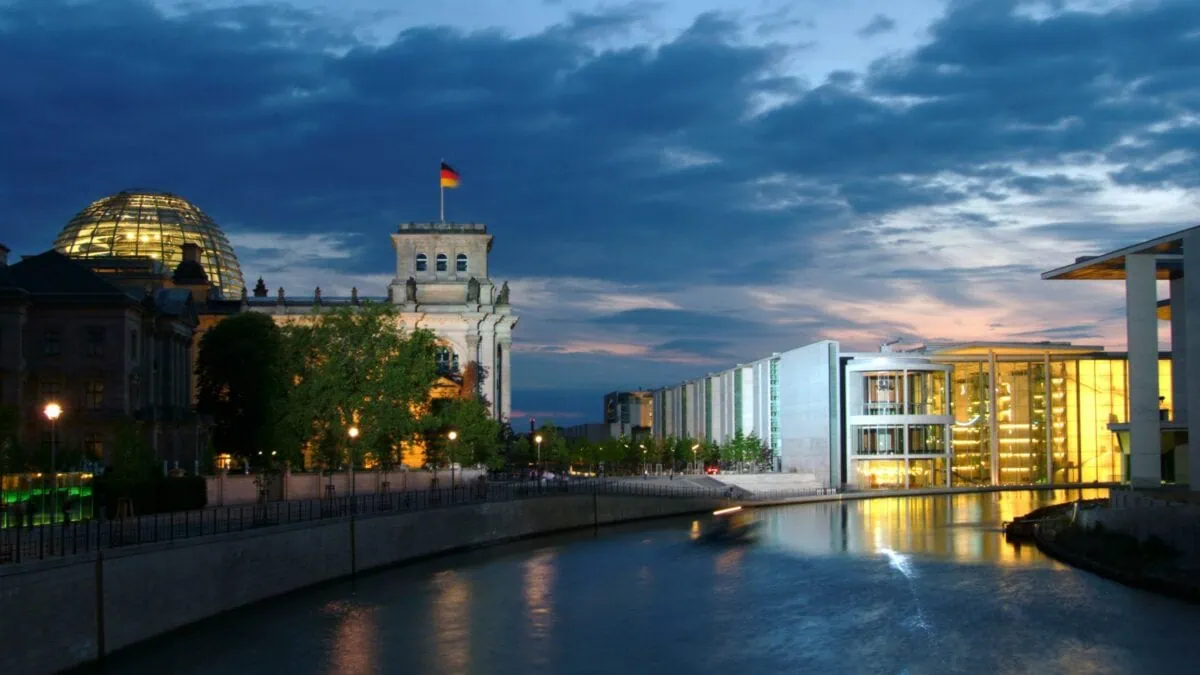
{"x": 1111, "y": 266}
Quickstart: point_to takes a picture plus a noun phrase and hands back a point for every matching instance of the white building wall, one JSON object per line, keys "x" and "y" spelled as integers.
{"x": 745, "y": 374}
{"x": 810, "y": 410}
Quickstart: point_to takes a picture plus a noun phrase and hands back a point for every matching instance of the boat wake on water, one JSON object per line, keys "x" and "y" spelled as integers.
{"x": 902, "y": 564}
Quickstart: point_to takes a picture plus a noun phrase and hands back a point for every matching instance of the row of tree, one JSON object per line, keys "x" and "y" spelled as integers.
{"x": 626, "y": 455}
{"x": 347, "y": 386}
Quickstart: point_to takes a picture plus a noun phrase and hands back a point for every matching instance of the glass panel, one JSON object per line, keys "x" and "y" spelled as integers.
{"x": 422, "y": 262}
{"x": 971, "y": 443}
{"x": 460, "y": 263}
{"x": 879, "y": 473}
{"x": 885, "y": 440}
{"x": 924, "y": 473}
{"x": 883, "y": 393}
{"x": 1020, "y": 419}
{"x": 1064, "y": 437}
{"x": 926, "y": 439}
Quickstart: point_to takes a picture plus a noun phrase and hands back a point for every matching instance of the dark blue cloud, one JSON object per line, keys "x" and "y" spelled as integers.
{"x": 880, "y": 23}
{"x": 273, "y": 119}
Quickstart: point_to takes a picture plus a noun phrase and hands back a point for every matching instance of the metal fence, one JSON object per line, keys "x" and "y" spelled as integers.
{"x": 51, "y": 541}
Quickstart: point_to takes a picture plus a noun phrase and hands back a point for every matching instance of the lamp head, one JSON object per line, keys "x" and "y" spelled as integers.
{"x": 452, "y": 435}
{"x": 537, "y": 439}
{"x": 353, "y": 432}
{"x": 52, "y": 411}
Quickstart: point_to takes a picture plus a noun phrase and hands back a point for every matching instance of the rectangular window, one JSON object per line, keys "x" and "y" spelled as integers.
{"x": 93, "y": 395}
{"x": 93, "y": 446}
{"x": 95, "y": 342}
{"x": 51, "y": 342}
{"x": 50, "y": 390}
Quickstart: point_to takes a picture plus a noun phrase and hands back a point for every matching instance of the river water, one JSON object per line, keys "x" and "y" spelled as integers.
{"x": 896, "y": 585}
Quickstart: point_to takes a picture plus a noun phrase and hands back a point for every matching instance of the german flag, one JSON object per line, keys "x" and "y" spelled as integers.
{"x": 449, "y": 176}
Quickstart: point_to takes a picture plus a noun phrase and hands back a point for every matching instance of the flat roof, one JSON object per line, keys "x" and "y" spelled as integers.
{"x": 1011, "y": 348}
{"x": 1111, "y": 265}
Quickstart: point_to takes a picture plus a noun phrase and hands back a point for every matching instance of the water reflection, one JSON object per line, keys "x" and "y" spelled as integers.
{"x": 962, "y": 527}
{"x": 855, "y": 587}
{"x": 452, "y": 622}
{"x": 539, "y": 603}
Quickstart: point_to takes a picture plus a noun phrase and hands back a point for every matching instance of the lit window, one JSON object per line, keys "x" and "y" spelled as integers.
{"x": 422, "y": 262}
{"x": 460, "y": 262}
{"x": 93, "y": 395}
{"x": 441, "y": 262}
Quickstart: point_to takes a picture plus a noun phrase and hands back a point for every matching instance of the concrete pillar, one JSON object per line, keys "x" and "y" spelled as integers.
{"x": 1190, "y": 375}
{"x": 506, "y": 378}
{"x": 1179, "y": 396}
{"x": 1141, "y": 324}
{"x": 993, "y": 429}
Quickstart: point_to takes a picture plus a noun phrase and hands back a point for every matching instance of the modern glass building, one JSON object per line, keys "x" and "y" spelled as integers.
{"x": 154, "y": 225}
{"x": 929, "y": 415}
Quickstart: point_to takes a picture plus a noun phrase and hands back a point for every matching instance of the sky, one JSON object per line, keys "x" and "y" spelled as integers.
{"x": 674, "y": 187}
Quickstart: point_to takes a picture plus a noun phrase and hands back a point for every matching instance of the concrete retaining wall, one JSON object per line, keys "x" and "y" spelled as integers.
{"x": 63, "y": 613}
{"x": 228, "y": 489}
{"x": 1176, "y": 525}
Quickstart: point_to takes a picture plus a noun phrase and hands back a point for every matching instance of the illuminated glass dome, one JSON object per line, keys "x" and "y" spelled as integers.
{"x": 145, "y": 223}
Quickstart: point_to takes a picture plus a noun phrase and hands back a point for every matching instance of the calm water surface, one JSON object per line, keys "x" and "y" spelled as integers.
{"x": 898, "y": 585}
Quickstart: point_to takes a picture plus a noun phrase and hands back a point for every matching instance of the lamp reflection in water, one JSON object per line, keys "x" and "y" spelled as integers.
{"x": 452, "y": 622}
{"x": 539, "y": 573}
{"x": 355, "y": 648}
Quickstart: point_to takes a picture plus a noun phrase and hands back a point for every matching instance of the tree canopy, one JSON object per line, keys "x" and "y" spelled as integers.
{"x": 240, "y": 383}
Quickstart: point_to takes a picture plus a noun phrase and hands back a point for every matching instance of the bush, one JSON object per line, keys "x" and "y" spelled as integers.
{"x": 157, "y": 495}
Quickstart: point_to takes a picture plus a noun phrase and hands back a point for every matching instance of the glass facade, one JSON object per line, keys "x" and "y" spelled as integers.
{"x": 152, "y": 225}
{"x": 1051, "y": 419}
{"x": 773, "y": 405}
{"x": 737, "y": 401}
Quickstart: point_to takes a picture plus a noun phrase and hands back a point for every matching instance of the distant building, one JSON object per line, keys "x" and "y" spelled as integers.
{"x": 141, "y": 240}
{"x": 102, "y": 352}
{"x": 953, "y": 414}
{"x": 628, "y": 412}
{"x": 592, "y": 432}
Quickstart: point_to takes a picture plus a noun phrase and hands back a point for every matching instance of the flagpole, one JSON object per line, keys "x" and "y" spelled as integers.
{"x": 442, "y": 210}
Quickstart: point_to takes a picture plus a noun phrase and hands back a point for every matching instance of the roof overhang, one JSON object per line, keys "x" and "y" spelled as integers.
{"x": 1167, "y": 249}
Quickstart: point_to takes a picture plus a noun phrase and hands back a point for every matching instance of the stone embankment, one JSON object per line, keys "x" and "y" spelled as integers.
{"x": 65, "y": 612}
{"x": 1137, "y": 541}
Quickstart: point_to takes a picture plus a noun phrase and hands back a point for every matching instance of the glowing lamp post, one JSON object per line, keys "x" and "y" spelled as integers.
{"x": 53, "y": 411}
{"x": 645, "y": 469}
{"x": 695, "y": 459}
{"x": 538, "y": 441}
{"x": 452, "y": 436}
{"x": 352, "y": 432}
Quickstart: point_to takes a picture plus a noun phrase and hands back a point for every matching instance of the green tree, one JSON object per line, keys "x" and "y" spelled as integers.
{"x": 554, "y": 452}
{"x": 239, "y": 382}
{"x": 355, "y": 368}
{"x": 476, "y": 433}
{"x": 133, "y": 460}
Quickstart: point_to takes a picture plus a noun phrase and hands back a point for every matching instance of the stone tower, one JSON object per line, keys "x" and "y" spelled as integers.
{"x": 442, "y": 285}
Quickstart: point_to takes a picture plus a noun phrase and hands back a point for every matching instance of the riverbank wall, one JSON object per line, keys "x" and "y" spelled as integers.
{"x": 63, "y": 613}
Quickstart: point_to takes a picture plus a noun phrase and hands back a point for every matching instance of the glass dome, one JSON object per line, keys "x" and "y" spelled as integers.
{"x": 145, "y": 223}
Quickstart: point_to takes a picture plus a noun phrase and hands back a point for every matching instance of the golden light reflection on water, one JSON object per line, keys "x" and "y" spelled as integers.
{"x": 539, "y": 574}
{"x": 452, "y": 622}
{"x": 355, "y": 641}
{"x": 963, "y": 527}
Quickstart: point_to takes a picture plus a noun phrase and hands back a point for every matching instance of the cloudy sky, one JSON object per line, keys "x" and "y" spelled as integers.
{"x": 674, "y": 186}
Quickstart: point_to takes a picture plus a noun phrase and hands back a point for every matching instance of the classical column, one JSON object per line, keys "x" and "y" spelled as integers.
{"x": 1141, "y": 324}
{"x": 505, "y": 377}
{"x": 1189, "y": 373}
{"x": 487, "y": 356}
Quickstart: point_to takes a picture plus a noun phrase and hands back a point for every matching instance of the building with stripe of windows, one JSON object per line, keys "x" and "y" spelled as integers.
{"x": 922, "y": 415}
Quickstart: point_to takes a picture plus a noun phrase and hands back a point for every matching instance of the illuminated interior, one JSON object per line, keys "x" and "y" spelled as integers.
{"x": 147, "y": 224}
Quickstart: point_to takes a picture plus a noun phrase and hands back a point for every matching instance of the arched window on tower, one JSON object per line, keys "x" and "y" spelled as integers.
{"x": 422, "y": 262}
{"x": 441, "y": 262}
{"x": 460, "y": 262}
{"x": 447, "y": 360}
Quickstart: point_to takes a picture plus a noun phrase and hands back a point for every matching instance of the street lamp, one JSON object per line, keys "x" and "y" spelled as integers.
{"x": 352, "y": 432}
{"x": 695, "y": 460}
{"x": 645, "y": 471}
{"x": 452, "y": 435}
{"x": 538, "y": 441}
{"x": 53, "y": 411}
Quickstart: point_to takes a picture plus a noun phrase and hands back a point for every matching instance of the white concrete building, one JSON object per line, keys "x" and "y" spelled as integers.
{"x": 1158, "y": 448}
{"x": 958, "y": 414}
{"x": 442, "y": 285}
